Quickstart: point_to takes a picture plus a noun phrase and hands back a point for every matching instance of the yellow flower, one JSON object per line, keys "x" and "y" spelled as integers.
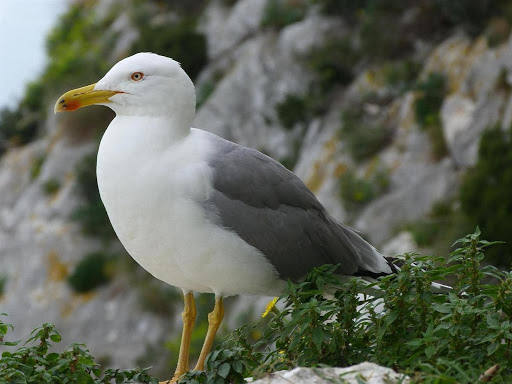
{"x": 269, "y": 307}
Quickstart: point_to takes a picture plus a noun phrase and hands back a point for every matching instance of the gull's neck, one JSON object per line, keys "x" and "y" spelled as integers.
{"x": 151, "y": 133}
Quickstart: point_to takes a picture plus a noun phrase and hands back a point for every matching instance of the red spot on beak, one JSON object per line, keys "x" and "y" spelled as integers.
{"x": 72, "y": 105}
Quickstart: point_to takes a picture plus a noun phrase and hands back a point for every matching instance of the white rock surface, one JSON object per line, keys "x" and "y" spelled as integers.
{"x": 368, "y": 373}
{"x": 226, "y": 27}
{"x": 408, "y": 203}
{"x": 400, "y": 244}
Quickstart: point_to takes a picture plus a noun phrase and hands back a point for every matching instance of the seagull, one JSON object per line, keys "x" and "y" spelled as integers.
{"x": 200, "y": 212}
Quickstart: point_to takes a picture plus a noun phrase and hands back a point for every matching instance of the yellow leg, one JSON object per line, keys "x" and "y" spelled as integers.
{"x": 214, "y": 320}
{"x": 189, "y": 317}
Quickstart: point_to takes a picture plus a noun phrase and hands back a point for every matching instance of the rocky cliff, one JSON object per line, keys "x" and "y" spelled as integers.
{"x": 255, "y": 71}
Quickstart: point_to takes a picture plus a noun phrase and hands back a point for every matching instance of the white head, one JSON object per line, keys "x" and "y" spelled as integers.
{"x": 145, "y": 84}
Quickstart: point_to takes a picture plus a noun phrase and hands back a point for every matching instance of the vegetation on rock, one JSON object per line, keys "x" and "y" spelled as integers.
{"x": 450, "y": 337}
{"x": 334, "y": 62}
{"x": 34, "y": 362}
{"x": 440, "y": 227}
{"x": 3, "y": 283}
{"x": 363, "y": 136}
{"x": 91, "y": 213}
{"x": 356, "y": 191}
{"x": 434, "y": 337}
{"x": 427, "y": 107}
{"x": 178, "y": 39}
{"x": 51, "y": 187}
{"x": 19, "y": 125}
{"x": 93, "y": 270}
{"x": 483, "y": 198}
{"x": 401, "y": 75}
{"x": 36, "y": 166}
{"x": 280, "y": 13}
{"x": 292, "y": 110}
{"x": 485, "y": 193}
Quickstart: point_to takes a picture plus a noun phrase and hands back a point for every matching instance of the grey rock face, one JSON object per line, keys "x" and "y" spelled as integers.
{"x": 226, "y": 27}
{"x": 465, "y": 123}
{"x": 264, "y": 70}
{"x": 365, "y": 372}
{"x": 408, "y": 203}
{"x": 478, "y": 82}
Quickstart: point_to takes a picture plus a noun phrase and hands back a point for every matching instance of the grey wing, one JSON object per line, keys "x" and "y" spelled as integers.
{"x": 271, "y": 209}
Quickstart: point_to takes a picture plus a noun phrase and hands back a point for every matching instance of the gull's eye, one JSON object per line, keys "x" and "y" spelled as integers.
{"x": 136, "y": 76}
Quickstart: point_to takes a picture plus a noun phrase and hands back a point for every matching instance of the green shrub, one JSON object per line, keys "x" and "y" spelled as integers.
{"x": 333, "y": 63}
{"x": 158, "y": 297}
{"x": 355, "y": 191}
{"x": 451, "y": 337}
{"x": 51, "y": 187}
{"x": 472, "y": 16}
{"x": 36, "y": 166}
{"x": 292, "y": 110}
{"x": 77, "y": 48}
{"x": 401, "y": 75}
{"x": 363, "y": 138}
{"x": 497, "y": 32}
{"x": 424, "y": 232}
{"x": 94, "y": 270}
{"x": 429, "y": 229}
{"x": 427, "y": 107}
{"x": 302, "y": 108}
{"x": 34, "y": 362}
{"x": 382, "y": 33}
{"x": 229, "y": 3}
{"x": 280, "y": 13}
{"x": 178, "y": 40}
{"x": 91, "y": 215}
{"x": 33, "y": 99}
{"x": 204, "y": 92}
{"x": 299, "y": 109}
{"x": 430, "y": 99}
{"x": 445, "y": 223}
{"x": 3, "y": 283}
{"x": 345, "y": 8}
{"x": 290, "y": 161}
{"x": 485, "y": 192}
{"x": 16, "y": 128}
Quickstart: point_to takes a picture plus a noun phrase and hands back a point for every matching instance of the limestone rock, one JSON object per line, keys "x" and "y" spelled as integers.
{"x": 408, "y": 203}
{"x": 242, "y": 107}
{"x": 225, "y": 27}
{"x": 368, "y": 373}
{"x": 400, "y": 244}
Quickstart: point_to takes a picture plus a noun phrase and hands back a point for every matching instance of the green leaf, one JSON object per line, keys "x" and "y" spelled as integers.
{"x": 491, "y": 348}
{"x": 223, "y": 370}
{"x": 442, "y": 308}
{"x": 55, "y": 337}
{"x": 430, "y": 351}
{"x": 415, "y": 343}
{"x": 238, "y": 366}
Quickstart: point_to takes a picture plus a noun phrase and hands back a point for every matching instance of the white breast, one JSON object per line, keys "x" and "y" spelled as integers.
{"x": 151, "y": 185}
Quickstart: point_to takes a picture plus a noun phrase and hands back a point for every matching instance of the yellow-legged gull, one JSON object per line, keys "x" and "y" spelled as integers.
{"x": 200, "y": 212}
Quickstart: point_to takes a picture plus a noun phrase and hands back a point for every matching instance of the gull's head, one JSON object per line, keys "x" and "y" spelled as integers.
{"x": 142, "y": 84}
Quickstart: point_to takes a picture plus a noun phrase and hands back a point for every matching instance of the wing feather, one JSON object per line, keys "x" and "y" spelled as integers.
{"x": 270, "y": 208}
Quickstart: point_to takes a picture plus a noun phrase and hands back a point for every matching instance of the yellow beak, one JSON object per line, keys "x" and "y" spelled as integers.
{"x": 82, "y": 97}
